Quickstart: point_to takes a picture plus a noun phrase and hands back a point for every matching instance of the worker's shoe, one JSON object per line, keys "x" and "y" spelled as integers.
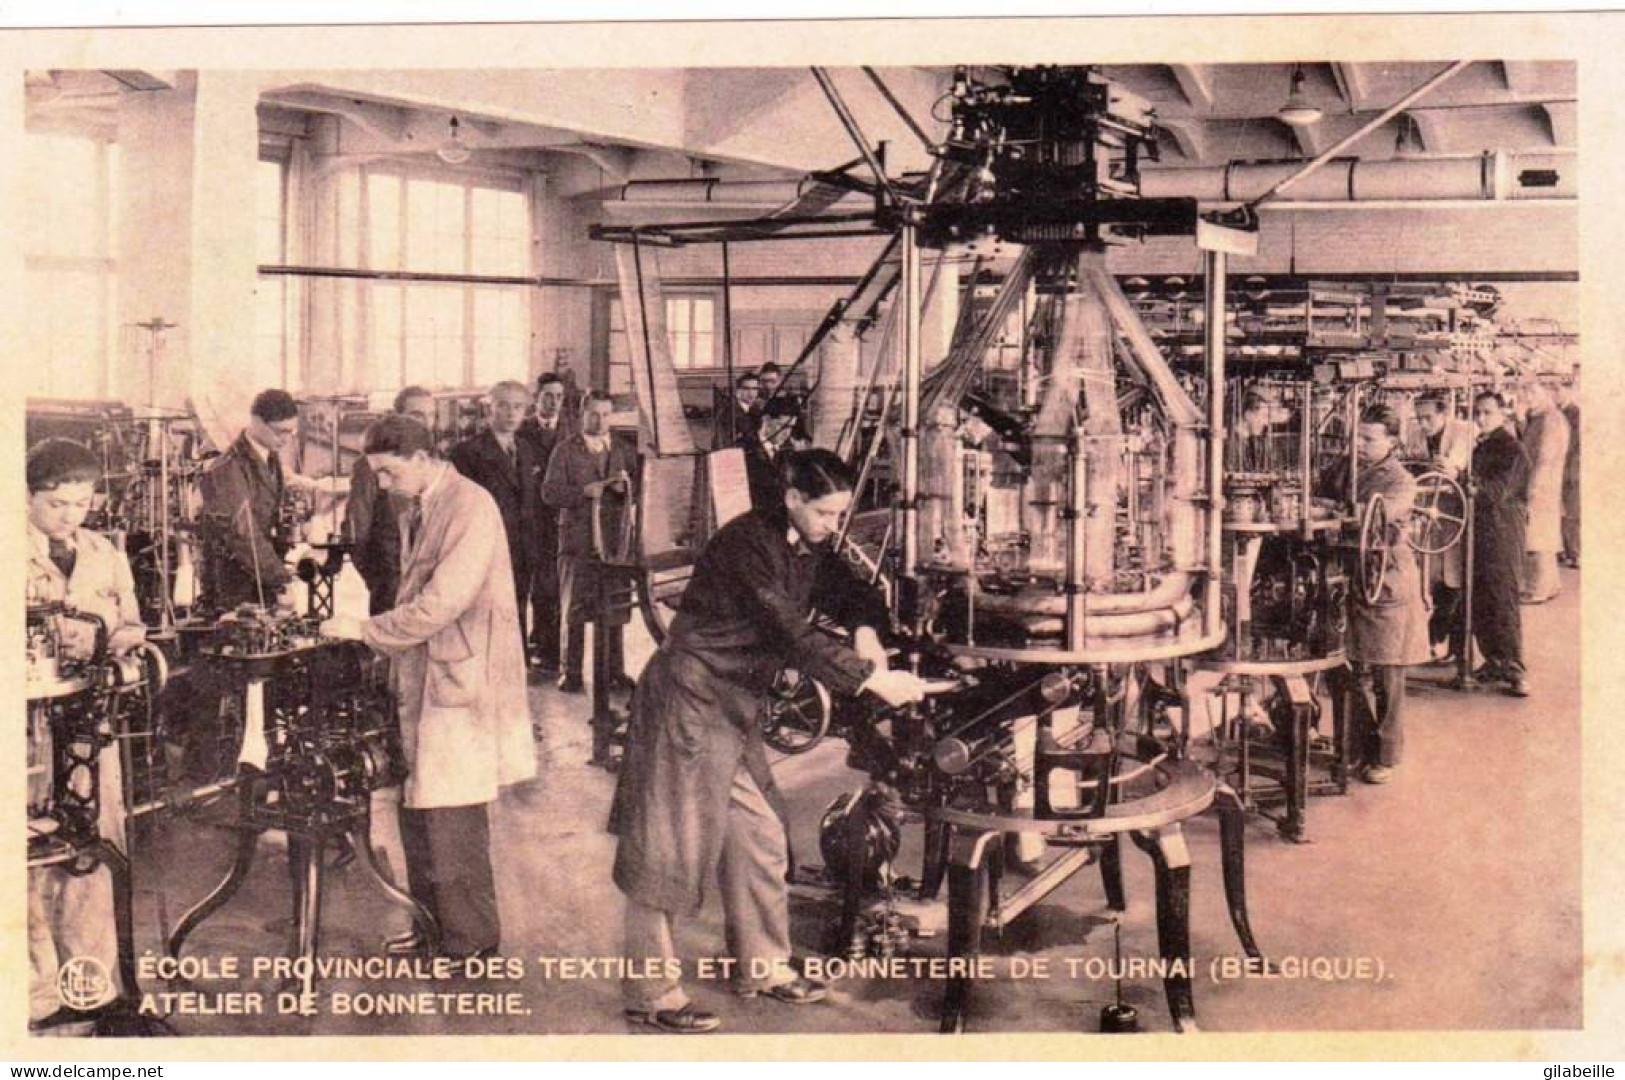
{"x": 572, "y": 684}
{"x": 1518, "y": 684}
{"x": 798, "y": 991}
{"x": 685, "y": 1021}
{"x": 410, "y": 943}
{"x": 1377, "y": 774}
{"x": 1489, "y": 672}
{"x": 622, "y": 682}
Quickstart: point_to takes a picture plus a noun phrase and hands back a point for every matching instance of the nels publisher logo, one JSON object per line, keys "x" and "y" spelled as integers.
{"x": 84, "y": 983}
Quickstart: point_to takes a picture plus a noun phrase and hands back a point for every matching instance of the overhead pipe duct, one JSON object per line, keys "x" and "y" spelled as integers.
{"x": 1496, "y": 176}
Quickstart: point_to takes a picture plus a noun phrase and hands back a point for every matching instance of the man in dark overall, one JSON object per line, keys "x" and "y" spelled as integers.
{"x": 695, "y": 805}
{"x": 1500, "y": 515}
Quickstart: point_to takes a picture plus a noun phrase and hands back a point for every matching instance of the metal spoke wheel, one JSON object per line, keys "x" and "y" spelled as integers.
{"x": 1439, "y": 516}
{"x": 1373, "y": 560}
{"x": 795, "y": 715}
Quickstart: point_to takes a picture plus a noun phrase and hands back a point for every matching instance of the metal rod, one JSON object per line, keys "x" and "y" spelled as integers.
{"x": 1077, "y": 546}
{"x": 850, "y": 123}
{"x": 910, "y": 529}
{"x": 648, "y": 349}
{"x": 1359, "y": 133}
{"x": 728, "y": 346}
{"x": 891, "y": 99}
{"x": 1214, "y": 280}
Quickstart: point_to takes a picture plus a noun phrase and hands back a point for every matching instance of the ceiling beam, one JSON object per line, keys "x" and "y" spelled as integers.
{"x": 1519, "y": 74}
{"x": 1432, "y": 127}
{"x": 389, "y": 123}
{"x": 143, "y": 80}
{"x": 1351, "y": 83}
{"x": 1196, "y": 83}
{"x": 1560, "y": 120}
{"x": 1190, "y": 135}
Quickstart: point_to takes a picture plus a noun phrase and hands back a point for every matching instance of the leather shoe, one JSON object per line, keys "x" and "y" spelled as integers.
{"x": 798, "y": 991}
{"x": 572, "y": 684}
{"x": 458, "y": 963}
{"x": 622, "y": 682}
{"x": 685, "y": 1021}
{"x": 410, "y": 943}
{"x": 1377, "y": 774}
{"x": 1518, "y": 686}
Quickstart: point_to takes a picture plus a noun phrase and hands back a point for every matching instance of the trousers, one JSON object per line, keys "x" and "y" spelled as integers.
{"x": 755, "y": 908}
{"x": 1378, "y": 701}
{"x": 448, "y": 871}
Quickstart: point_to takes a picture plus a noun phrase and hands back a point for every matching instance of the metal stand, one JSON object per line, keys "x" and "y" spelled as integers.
{"x": 307, "y": 845}
{"x": 1153, "y": 823}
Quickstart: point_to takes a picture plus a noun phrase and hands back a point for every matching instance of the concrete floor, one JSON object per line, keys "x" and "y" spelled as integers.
{"x": 1462, "y": 877}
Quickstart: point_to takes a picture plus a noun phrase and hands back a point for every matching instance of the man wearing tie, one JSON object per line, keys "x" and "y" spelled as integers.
{"x": 459, "y": 678}
{"x": 372, "y": 518}
{"x": 543, "y": 432}
{"x": 242, "y": 498}
{"x": 507, "y": 466}
{"x": 586, "y": 468}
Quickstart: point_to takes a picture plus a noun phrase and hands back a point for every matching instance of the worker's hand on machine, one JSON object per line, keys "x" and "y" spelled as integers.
{"x": 126, "y": 638}
{"x": 866, "y": 643}
{"x": 895, "y": 688}
{"x": 345, "y": 627}
{"x": 78, "y": 639}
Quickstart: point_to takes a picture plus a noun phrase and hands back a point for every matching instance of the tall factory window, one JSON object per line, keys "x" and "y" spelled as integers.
{"x": 71, "y": 283}
{"x": 276, "y": 308}
{"x": 691, "y": 333}
{"x": 462, "y": 317}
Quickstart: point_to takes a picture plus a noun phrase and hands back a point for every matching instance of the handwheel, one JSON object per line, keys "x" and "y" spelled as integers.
{"x": 1439, "y": 515}
{"x": 795, "y": 714}
{"x": 1373, "y": 549}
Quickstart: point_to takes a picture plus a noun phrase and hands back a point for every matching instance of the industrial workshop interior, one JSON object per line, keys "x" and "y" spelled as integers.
{"x": 969, "y": 549}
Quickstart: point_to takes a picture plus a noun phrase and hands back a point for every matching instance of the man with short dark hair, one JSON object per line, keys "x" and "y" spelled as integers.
{"x": 507, "y": 466}
{"x": 372, "y": 517}
{"x": 1445, "y": 444}
{"x": 1390, "y": 633}
{"x": 544, "y": 431}
{"x": 587, "y": 469}
{"x": 1500, "y": 485}
{"x": 242, "y": 499}
{"x": 458, "y": 668}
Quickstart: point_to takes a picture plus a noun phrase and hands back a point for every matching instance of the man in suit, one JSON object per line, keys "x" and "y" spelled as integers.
{"x": 1445, "y": 445}
{"x": 1567, "y": 396}
{"x": 1500, "y": 516}
{"x": 459, "y": 676}
{"x": 1546, "y": 439}
{"x": 242, "y": 499}
{"x": 507, "y": 466}
{"x": 372, "y": 517}
{"x": 586, "y": 469}
{"x": 543, "y": 432}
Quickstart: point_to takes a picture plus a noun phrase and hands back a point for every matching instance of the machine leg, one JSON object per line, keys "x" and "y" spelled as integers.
{"x": 425, "y": 923}
{"x": 935, "y": 866}
{"x": 1232, "y": 846}
{"x": 1172, "y": 862}
{"x": 853, "y": 830}
{"x": 1293, "y": 717}
{"x": 1342, "y": 732}
{"x": 222, "y": 893}
{"x": 1111, "y": 873}
{"x": 968, "y": 897}
{"x": 308, "y": 921}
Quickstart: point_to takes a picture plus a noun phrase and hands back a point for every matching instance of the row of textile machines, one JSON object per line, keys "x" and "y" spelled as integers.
{"x": 1104, "y": 591}
{"x": 246, "y": 720}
